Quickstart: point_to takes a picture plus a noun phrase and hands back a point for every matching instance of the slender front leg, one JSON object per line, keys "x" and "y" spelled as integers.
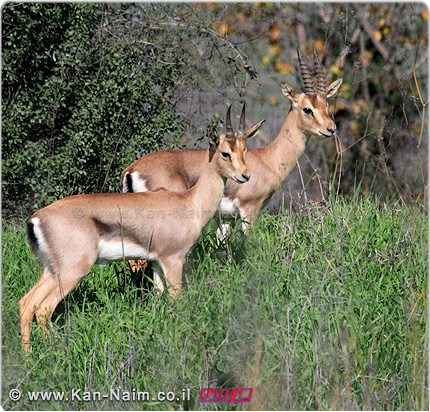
{"x": 221, "y": 232}
{"x": 173, "y": 272}
{"x": 249, "y": 216}
{"x": 157, "y": 270}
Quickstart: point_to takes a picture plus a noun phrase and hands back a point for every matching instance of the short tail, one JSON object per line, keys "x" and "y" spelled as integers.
{"x": 127, "y": 185}
{"x": 37, "y": 240}
{"x": 31, "y": 237}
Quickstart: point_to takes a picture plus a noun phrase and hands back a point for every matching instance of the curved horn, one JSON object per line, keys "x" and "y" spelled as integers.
{"x": 229, "y": 134}
{"x": 306, "y": 74}
{"x": 242, "y": 122}
{"x": 321, "y": 81}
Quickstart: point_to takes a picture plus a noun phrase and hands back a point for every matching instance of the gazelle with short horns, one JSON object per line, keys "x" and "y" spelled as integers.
{"x": 179, "y": 169}
{"x": 72, "y": 234}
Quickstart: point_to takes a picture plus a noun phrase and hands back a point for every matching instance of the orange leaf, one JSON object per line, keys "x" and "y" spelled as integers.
{"x": 415, "y": 128}
{"x": 275, "y": 32}
{"x": 377, "y": 34}
{"x": 285, "y": 68}
{"x": 319, "y": 45}
{"x": 222, "y": 29}
{"x": 275, "y": 49}
{"x": 273, "y": 100}
{"x": 366, "y": 58}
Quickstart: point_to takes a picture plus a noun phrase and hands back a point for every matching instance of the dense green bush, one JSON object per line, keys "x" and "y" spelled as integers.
{"x": 78, "y": 102}
{"x": 87, "y": 89}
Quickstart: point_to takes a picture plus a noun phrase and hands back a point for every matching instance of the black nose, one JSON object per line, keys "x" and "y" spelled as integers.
{"x": 246, "y": 177}
{"x": 331, "y": 130}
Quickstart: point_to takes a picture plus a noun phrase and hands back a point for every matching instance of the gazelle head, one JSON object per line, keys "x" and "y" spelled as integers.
{"x": 228, "y": 149}
{"x": 311, "y": 107}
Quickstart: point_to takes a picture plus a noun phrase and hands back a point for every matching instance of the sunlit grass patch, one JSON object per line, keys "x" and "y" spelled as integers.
{"x": 324, "y": 307}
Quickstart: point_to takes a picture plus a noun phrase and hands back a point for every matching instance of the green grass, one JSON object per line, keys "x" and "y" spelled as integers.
{"x": 321, "y": 307}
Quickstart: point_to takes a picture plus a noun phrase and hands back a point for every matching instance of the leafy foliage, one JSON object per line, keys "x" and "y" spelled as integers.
{"x": 73, "y": 108}
{"x": 380, "y": 51}
{"x": 88, "y": 89}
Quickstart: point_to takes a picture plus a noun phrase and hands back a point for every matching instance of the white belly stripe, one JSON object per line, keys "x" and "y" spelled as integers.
{"x": 113, "y": 250}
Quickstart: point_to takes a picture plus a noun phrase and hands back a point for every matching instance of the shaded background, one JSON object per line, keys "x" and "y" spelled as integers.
{"x": 89, "y": 88}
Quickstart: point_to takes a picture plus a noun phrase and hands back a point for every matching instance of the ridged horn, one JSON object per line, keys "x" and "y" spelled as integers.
{"x": 306, "y": 74}
{"x": 229, "y": 134}
{"x": 242, "y": 121}
{"x": 319, "y": 71}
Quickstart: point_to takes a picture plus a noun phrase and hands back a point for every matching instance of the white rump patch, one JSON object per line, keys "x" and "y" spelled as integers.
{"x": 38, "y": 233}
{"x": 138, "y": 184}
{"x": 110, "y": 250}
{"x": 42, "y": 247}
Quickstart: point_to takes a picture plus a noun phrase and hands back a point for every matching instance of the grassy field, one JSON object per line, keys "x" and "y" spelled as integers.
{"x": 321, "y": 307}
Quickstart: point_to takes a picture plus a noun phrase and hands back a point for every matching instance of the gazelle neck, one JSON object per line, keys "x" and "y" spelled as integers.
{"x": 288, "y": 146}
{"x": 207, "y": 193}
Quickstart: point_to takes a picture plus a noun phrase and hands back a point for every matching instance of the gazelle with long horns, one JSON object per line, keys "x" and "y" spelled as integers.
{"x": 72, "y": 234}
{"x": 179, "y": 169}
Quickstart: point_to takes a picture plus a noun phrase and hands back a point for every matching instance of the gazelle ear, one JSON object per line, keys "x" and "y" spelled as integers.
{"x": 289, "y": 92}
{"x": 213, "y": 140}
{"x": 253, "y": 130}
{"x": 334, "y": 87}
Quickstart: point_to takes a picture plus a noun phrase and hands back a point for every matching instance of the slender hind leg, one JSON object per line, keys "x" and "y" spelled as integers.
{"x": 30, "y": 302}
{"x": 44, "y": 297}
{"x": 57, "y": 293}
{"x": 136, "y": 265}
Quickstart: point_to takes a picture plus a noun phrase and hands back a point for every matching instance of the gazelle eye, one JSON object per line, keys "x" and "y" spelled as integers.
{"x": 306, "y": 110}
{"x": 225, "y": 155}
